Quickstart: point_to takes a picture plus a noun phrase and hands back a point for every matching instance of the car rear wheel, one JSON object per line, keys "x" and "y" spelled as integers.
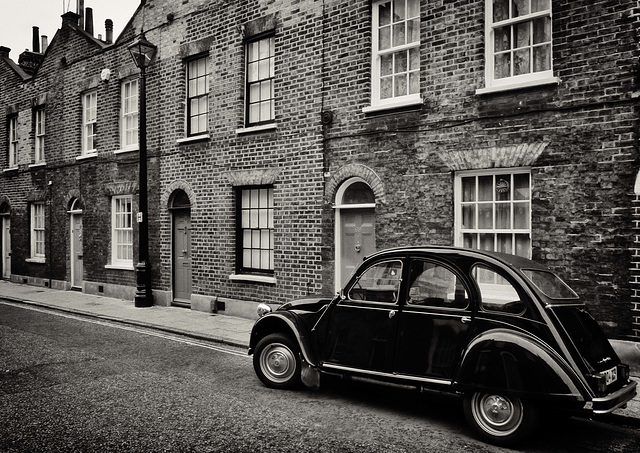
{"x": 276, "y": 361}
{"x": 500, "y": 419}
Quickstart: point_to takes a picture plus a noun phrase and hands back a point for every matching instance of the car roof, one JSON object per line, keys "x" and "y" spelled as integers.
{"x": 514, "y": 261}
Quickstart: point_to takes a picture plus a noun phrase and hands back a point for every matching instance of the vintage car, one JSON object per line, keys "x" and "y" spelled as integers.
{"x": 502, "y": 331}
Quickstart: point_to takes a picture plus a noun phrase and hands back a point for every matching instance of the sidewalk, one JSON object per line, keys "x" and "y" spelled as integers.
{"x": 223, "y": 329}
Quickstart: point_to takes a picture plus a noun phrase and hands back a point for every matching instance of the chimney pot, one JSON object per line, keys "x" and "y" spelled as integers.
{"x": 88, "y": 26}
{"x": 108, "y": 26}
{"x": 80, "y": 11}
{"x": 36, "y": 40}
{"x": 45, "y": 43}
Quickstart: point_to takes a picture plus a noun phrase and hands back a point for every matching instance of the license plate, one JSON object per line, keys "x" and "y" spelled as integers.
{"x": 611, "y": 375}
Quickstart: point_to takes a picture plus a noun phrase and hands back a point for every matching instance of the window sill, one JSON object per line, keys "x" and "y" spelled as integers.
{"x": 126, "y": 150}
{"x": 252, "y": 278}
{"x": 36, "y": 260}
{"x": 87, "y": 156}
{"x": 38, "y": 165}
{"x": 409, "y": 101}
{"x": 10, "y": 170}
{"x": 519, "y": 85}
{"x": 120, "y": 267}
{"x": 261, "y": 128}
{"x": 195, "y": 138}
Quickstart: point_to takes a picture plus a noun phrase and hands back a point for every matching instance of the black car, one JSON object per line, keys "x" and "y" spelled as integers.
{"x": 501, "y": 330}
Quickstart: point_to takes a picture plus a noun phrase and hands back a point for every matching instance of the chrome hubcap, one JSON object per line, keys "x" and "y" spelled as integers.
{"x": 278, "y": 362}
{"x": 497, "y": 415}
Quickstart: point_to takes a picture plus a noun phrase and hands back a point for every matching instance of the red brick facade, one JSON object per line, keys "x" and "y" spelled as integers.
{"x": 576, "y": 137}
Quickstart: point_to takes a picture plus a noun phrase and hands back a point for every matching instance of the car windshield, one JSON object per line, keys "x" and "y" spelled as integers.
{"x": 550, "y": 284}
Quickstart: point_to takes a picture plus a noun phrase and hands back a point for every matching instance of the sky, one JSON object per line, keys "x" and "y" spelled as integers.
{"x": 18, "y": 17}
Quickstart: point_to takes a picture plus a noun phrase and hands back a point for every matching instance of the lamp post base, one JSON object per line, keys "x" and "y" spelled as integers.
{"x": 144, "y": 297}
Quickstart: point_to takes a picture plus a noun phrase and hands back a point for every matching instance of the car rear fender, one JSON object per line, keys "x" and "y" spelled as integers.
{"x": 286, "y": 323}
{"x": 518, "y": 364}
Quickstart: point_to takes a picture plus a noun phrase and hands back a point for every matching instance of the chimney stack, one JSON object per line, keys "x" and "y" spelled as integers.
{"x": 108, "y": 26}
{"x": 45, "y": 43}
{"x": 80, "y": 12}
{"x": 88, "y": 26}
{"x": 36, "y": 40}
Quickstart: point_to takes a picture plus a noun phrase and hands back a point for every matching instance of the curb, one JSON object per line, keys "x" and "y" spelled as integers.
{"x": 129, "y": 322}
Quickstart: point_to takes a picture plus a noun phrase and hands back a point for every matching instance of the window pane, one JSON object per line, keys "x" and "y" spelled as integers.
{"x": 485, "y": 216}
{"x": 502, "y": 66}
{"x": 384, "y": 38}
{"x": 399, "y": 35}
{"x": 485, "y": 188}
{"x": 502, "y": 39}
{"x": 521, "y": 187}
{"x": 468, "y": 216}
{"x": 520, "y": 8}
{"x": 504, "y": 244}
{"x": 487, "y": 242}
{"x": 413, "y": 8}
{"x": 398, "y": 10}
{"x": 414, "y": 82}
{"x": 539, "y": 5}
{"x": 386, "y": 88}
{"x": 468, "y": 189}
{"x": 503, "y": 215}
{"x": 400, "y": 85}
{"x": 521, "y": 62}
{"x": 521, "y": 215}
{"x": 542, "y": 58}
{"x": 523, "y": 245}
{"x": 500, "y": 10}
{"x": 542, "y": 30}
{"x": 523, "y": 34}
{"x": 386, "y": 64}
{"x": 384, "y": 13}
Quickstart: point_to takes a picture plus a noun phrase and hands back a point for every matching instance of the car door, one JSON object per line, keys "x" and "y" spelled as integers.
{"x": 434, "y": 321}
{"x": 362, "y": 326}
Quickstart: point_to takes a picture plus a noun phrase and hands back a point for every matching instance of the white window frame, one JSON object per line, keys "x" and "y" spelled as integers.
{"x": 39, "y": 126}
{"x": 497, "y": 174}
{"x": 89, "y": 119}
{"x": 37, "y": 226}
{"x": 13, "y": 141}
{"x": 256, "y": 229}
{"x": 518, "y": 81}
{"x": 260, "y": 90}
{"x": 122, "y": 232}
{"x": 129, "y": 120}
{"x": 376, "y": 56}
{"x": 199, "y": 94}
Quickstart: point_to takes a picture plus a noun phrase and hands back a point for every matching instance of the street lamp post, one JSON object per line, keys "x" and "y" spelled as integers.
{"x": 142, "y": 52}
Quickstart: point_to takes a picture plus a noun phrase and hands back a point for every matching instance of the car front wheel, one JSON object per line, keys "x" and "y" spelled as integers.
{"x": 500, "y": 419}
{"x": 276, "y": 361}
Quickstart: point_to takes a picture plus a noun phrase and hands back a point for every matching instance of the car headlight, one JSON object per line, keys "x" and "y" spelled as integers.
{"x": 263, "y": 309}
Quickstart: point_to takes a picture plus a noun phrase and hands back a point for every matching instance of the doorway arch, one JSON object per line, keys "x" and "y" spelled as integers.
{"x": 181, "y": 273}
{"x": 354, "y": 227}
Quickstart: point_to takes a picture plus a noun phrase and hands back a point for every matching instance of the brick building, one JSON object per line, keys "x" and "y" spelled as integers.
{"x": 287, "y": 139}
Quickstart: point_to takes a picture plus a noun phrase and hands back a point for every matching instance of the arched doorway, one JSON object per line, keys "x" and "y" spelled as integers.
{"x": 180, "y": 208}
{"x": 76, "y": 250}
{"x": 355, "y": 227}
{"x": 5, "y": 236}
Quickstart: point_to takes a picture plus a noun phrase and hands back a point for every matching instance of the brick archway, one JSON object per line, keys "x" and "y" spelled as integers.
{"x": 350, "y": 171}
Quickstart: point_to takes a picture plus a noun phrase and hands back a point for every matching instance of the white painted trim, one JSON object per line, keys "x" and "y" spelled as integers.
{"x": 252, "y": 278}
{"x": 260, "y": 128}
{"x": 195, "y": 138}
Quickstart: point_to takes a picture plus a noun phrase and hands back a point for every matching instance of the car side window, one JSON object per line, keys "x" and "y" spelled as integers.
{"x": 434, "y": 285}
{"x": 379, "y": 283}
{"x": 496, "y": 292}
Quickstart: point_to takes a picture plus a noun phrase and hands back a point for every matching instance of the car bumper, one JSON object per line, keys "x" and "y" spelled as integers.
{"x": 613, "y": 401}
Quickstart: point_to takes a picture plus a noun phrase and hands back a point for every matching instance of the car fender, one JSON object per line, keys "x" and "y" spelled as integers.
{"x": 502, "y": 360}
{"x": 287, "y": 323}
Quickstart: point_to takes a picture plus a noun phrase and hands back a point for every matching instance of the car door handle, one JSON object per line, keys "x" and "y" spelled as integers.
{"x": 466, "y": 319}
{"x": 392, "y": 313}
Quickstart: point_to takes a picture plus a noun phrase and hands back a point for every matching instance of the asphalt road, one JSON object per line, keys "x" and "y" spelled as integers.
{"x": 71, "y": 384}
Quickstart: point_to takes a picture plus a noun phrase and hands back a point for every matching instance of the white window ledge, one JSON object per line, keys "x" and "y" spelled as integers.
{"x": 89, "y": 155}
{"x": 260, "y": 128}
{"x": 252, "y": 278}
{"x": 195, "y": 138}
{"x": 519, "y": 85}
{"x": 409, "y": 101}
{"x": 39, "y": 164}
{"x": 10, "y": 169}
{"x": 36, "y": 260}
{"x": 126, "y": 150}
{"x": 120, "y": 267}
